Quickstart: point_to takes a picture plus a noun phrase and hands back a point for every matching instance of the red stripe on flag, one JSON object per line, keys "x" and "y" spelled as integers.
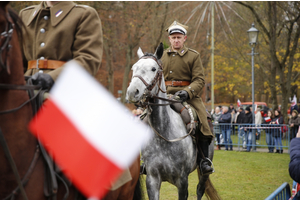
{"x": 73, "y": 153}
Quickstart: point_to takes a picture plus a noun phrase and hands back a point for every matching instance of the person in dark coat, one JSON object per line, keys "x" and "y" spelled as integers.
{"x": 247, "y": 119}
{"x": 226, "y": 130}
{"x": 240, "y": 116}
{"x": 294, "y": 123}
{"x": 239, "y": 121}
{"x": 231, "y": 107}
{"x": 294, "y": 166}
{"x": 278, "y": 120}
{"x": 294, "y": 107}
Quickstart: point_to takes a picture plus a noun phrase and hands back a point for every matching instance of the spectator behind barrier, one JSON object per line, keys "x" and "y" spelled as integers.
{"x": 278, "y": 133}
{"x": 233, "y": 114}
{"x": 258, "y": 121}
{"x": 226, "y": 118}
{"x": 294, "y": 123}
{"x": 248, "y": 119}
{"x": 217, "y": 130}
{"x": 294, "y": 167}
{"x": 269, "y": 130}
{"x": 231, "y": 107}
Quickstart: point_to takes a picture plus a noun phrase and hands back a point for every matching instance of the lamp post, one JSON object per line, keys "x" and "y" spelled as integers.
{"x": 253, "y": 35}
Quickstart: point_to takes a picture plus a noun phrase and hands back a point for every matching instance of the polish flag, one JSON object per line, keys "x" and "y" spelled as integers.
{"x": 267, "y": 119}
{"x": 294, "y": 101}
{"x": 239, "y": 103}
{"x": 90, "y": 135}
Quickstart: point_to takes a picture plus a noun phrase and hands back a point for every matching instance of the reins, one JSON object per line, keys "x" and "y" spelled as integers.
{"x": 174, "y": 140}
{"x": 21, "y": 106}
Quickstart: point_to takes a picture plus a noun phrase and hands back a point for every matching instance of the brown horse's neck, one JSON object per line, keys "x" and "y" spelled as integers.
{"x": 13, "y": 125}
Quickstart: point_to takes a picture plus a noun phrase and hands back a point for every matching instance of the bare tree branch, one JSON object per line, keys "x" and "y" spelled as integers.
{"x": 256, "y": 16}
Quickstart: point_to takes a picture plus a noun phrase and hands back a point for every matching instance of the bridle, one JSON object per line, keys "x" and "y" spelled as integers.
{"x": 5, "y": 47}
{"x": 149, "y": 86}
{"x": 156, "y": 79}
{"x": 5, "y": 39}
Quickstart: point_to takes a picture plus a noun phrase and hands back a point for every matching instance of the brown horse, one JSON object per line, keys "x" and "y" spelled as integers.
{"x": 17, "y": 141}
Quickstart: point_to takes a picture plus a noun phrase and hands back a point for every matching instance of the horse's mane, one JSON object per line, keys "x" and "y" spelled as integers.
{"x": 18, "y": 28}
{"x": 153, "y": 55}
{"x": 17, "y": 21}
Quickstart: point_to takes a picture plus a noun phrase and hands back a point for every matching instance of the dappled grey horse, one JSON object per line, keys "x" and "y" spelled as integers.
{"x": 165, "y": 160}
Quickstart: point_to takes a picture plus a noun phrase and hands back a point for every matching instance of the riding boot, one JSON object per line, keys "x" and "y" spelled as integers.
{"x": 204, "y": 163}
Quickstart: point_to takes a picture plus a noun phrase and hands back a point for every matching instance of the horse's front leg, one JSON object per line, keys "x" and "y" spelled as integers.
{"x": 153, "y": 186}
{"x": 182, "y": 185}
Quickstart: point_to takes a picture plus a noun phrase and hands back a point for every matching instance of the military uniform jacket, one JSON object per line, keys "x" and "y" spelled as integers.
{"x": 186, "y": 65}
{"x": 62, "y": 32}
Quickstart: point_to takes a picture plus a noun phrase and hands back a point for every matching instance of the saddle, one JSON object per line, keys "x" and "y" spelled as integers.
{"x": 187, "y": 113}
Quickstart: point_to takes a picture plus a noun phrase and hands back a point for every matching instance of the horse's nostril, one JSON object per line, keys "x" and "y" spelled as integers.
{"x": 137, "y": 92}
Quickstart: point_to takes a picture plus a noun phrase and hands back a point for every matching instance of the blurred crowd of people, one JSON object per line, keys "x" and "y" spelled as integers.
{"x": 228, "y": 121}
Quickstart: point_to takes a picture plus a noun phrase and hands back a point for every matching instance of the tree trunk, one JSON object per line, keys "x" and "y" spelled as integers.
{"x": 109, "y": 66}
{"x": 126, "y": 73}
{"x": 272, "y": 18}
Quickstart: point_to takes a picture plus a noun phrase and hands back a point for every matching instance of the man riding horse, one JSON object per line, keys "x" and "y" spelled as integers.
{"x": 184, "y": 76}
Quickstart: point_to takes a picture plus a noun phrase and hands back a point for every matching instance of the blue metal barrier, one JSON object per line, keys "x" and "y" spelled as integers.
{"x": 271, "y": 136}
{"x": 281, "y": 193}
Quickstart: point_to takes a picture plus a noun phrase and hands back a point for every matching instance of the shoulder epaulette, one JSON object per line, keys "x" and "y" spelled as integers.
{"x": 194, "y": 51}
{"x": 28, "y": 8}
{"x": 82, "y": 6}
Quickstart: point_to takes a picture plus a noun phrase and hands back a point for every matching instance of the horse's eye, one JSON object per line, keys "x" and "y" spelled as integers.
{"x": 153, "y": 69}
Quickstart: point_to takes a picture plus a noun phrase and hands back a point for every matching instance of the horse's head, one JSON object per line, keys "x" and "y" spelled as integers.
{"x": 146, "y": 76}
{"x": 8, "y": 20}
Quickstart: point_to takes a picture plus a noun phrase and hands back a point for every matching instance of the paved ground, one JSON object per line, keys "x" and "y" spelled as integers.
{"x": 265, "y": 150}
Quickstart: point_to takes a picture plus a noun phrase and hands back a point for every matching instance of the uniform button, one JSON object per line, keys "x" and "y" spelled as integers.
{"x": 42, "y": 44}
{"x": 46, "y": 18}
{"x": 189, "y": 87}
{"x": 42, "y": 58}
{"x": 171, "y": 72}
{"x": 173, "y": 54}
{"x": 42, "y": 30}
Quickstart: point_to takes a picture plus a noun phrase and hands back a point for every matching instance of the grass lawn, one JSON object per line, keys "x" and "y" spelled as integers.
{"x": 239, "y": 175}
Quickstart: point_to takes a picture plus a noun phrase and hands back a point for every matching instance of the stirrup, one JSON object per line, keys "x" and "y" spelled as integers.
{"x": 212, "y": 165}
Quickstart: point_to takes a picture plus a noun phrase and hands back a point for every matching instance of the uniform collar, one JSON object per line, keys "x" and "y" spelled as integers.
{"x": 57, "y": 12}
{"x": 181, "y": 52}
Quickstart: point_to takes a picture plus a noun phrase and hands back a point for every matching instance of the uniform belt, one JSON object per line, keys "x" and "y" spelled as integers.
{"x": 45, "y": 64}
{"x": 177, "y": 83}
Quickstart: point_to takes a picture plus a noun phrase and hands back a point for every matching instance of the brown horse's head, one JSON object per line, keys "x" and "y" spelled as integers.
{"x": 10, "y": 30}
{"x": 4, "y": 33}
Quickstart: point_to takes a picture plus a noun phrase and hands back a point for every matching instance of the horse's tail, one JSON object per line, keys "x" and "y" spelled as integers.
{"x": 138, "y": 192}
{"x": 210, "y": 191}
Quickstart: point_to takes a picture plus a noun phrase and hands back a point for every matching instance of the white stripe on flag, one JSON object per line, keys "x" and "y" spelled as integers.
{"x": 115, "y": 135}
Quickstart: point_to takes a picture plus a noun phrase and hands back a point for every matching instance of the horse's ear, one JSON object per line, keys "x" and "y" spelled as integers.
{"x": 3, "y": 4}
{"x": 159, "y": 51}
{"x": 140, "y": 52}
